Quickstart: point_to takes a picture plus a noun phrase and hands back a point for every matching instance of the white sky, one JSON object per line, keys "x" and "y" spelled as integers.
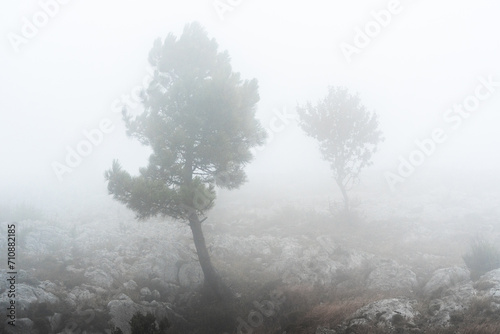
{"x": 66, "y": 78}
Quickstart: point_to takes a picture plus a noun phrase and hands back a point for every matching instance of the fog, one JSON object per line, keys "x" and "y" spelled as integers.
{"x": 66, "y": 79}
{"x": 70, "y": 71}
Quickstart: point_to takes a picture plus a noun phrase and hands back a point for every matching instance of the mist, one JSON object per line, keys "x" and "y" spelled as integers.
{"x": 429, "y": 71}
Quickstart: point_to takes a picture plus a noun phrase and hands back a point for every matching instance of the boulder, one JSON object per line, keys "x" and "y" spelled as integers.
{"x": 443, "y": 279}
{"x": 27, "y": 296}
{"x": 121, "y": 311}
{"x": 99, "y": 278}
{"x": 23, "y": 326}
{"x": 85, "y": 295}
{"x": 390, "y": 314}
{"x": 489, "y": 285}
{"x": 145, "y": 292}
{"x": 454, "y": 302}
{"x": 131, "y": 285}
{"x": 190, "y": 275}
{"x": 388, "y": 275}
{"x": 156, "y": 295}
{"x": 22, "y": 276}
{"x": 123, "y": 308}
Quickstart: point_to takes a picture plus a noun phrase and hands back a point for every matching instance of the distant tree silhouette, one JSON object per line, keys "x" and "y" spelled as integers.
{"x": 347, "y": 133}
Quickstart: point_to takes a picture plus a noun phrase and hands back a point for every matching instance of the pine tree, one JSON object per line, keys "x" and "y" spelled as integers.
{"x": 199, "y": 120}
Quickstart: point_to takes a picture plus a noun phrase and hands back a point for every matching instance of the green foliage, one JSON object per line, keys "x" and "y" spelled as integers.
{"x": 146, "y": 324}
{"x": 199, "y": 120}
{"x": 116, "y": 330}
{"x": 481, "y": 257}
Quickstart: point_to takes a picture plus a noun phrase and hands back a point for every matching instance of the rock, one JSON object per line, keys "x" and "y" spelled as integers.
{"x": 145, "y": 292}
{"x": 445, "y": 278}
{"x": 99, "y": 278}
{"x": 156, "y": 295}
{"x": 44, "y": 296}
{"x": 27, "y": 278}
{"x": 454, "y": 302}
{"x": 3, "y": 279}
{"x": 123, "y": 308}
{"x": 49, "y": 286}
{"x": 130, "y": 285}
{"x": 55, "y": 320}
{"x": 108, "y": 264}
{"x": 86, "y": 294}
{"x": 42, "y": 238}
{"x": 121, "y": 311}
{"x": 70, "y": 301}
{"x": 74, "y": 270}
{"x": 489, "y": 285}
{"x": 305, "y": 270}
{"x": 317, "y": 265}
{"x": 23, "y": 326}
{"x": 190, "y": 275}
{"x": 26, "y": 296}
{"x": 323, "y": 330}
{"x": 353, "y": 259}
{"x": 389, "y": 275}
{"x": 150, "y": 266}
{"x": 170, "y": 290}
{"x": 22, "y": 277}
{"x": 390, "y": 314}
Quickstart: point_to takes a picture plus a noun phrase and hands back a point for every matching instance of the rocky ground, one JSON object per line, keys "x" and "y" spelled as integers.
{"x": 395, "y": 269}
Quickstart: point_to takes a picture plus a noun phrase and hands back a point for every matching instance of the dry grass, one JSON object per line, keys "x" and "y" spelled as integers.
{"x": 335, "y": 313}
{"x": 484, "y": 328}
{"x": 481, "y": 309}
{"x": 306, "y": 307}
{"x": 418, "y": 244}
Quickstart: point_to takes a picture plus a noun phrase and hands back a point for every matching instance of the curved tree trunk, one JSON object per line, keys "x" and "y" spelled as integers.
{"x": 345, "y": 196}
{"x": 213, "y": 282}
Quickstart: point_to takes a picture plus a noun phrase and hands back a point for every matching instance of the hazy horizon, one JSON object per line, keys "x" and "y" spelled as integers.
{"x": 88, "y": 57}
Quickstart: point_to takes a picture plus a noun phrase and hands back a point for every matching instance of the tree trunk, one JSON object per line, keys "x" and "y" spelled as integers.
{"x": 213, "y": 282}
{"x": 344, "y": 195}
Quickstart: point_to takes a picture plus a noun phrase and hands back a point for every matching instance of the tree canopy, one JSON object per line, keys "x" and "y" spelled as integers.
{"x": 199, "y": 120}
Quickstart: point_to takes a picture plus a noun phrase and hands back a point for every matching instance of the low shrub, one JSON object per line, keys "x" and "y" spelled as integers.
{"x": 481, "y": 257}
{"x": 145, "y": 324}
